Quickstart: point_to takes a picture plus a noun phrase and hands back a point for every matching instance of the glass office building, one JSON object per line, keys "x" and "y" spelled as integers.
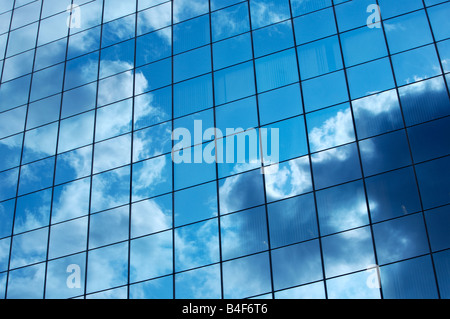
{"x": 93, "y": 206}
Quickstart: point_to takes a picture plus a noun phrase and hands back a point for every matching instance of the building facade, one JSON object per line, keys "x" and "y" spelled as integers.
{"x": 312, "y": 140}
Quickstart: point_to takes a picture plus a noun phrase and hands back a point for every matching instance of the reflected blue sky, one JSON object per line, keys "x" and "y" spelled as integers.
{"x": 85, "y": 130}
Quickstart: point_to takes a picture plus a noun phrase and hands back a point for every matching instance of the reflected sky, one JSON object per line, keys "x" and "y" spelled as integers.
{"x": 92, "y": 137}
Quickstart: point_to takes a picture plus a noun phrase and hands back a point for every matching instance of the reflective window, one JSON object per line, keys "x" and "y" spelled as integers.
{"x": 44, "y": 169}
{"x": 272, "y": 38}
{"x": 276, "y": 70}
{"x": 230, "y": 21}
{"x": 385, "y": 152}
{"x": 296, "y": 264}
{"x": 253, "y": 270}
{"x": 316, "y": 25}
{"x": 152, "y": 108}
{"x": 110, "y": 189}
{"x": 414, "y": 65}
{"x": 32, "y": 211}
{"x": 407, "y": 31}
{"x": 57, "y": 281}
{"x": 335, "y": 251}
{"x": 27, "y": 283}
{"x": 353, "y": 286}
{"x": 430, "y": 140}
{"x": 145, "y": 251}
{"x": 400, "y": 238}
{"x": 292, "y": 220}
{"x": 376, "y": 114}
{"x": 381, "y": 78}
{"x": 68, "y": 238}
{"x": 241, "y": 191}
{"x": 193, "y": 95}
{"x": 205, "y": 251}
{"x": 71, "y": 200}
{"x": 342, "y": 207}
{"x": 330, "y": 127}
{"x": 434, "y": 182}
{"x": 109, "y": 227}
{"x": 336, "y": 91}
{"x": 335, "y": 166}
{"x": 191, "y": 34}
{"x": 152, "y": 177}
{"x": 153, "y": 46}
{"x": 244, "y": 233}
{"x": 161, "y": 288}
{"x": 195, "y": 204}
{"x": 7, "y": 216}
{"x": 362, "y": 45}
{"x": 111, "y": 260}
{"x": 438, "y": 21}
{"x": 393, "y": 194}
{"x": 264, "y": 12}
{"x": 234, "y": 83}
{"x": 29, "y": 248}
{"x": 151, "y": 216}
{"x": 436, "y": 221}
{"x": 232, "y": 51}
{"x": 424, "y": 101}
{"x": 280, "y": 104}
{"x": 441, "y": 261}
{"x": 192, "y": 63}
{"x": 202, "y": 283}
{"x": 410, "y": 279}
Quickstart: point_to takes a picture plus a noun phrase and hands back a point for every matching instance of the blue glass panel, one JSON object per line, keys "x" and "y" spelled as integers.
{"x": 27, "y": 283}
{"x": 424, "y": 101}
{"x": 385, "y": 152}
{"x": 297, "y": 264}
{"x": 203, "y": 283}
{"x": 341, "y": 208}
{"x": 434, "y": 182}
{"x": 393, "y": 194}
{"x": 253, "y": 270}
{"x": 151, "y": 216}
{"x": 314, "y": 26}
{"x": 234, "y": 83}
{"x": 145, "y": 251}
{"x": 7, "y": 216}
{"x": 280, "y": 104}
{"x": 244, "y": 233}
{"x": 230, "y": 21}
{"x": 338, "y": 261}
{"x": 276, "y": 70}
{"x": 205, "y": 251}
{"x": 232, "y": 51}
{"x": 410, "y": 279}
{"x": 161, "y": 288}
{"x": 319, "y": 57}
{"x": 68, "y": 238}
{"x": 335, "y": 166}
{"x": 442, "y": 264}
{"x": 400, "y": 238}
{"x": 407, "y": 31}
{"x": 32, "y": 211}
{"x": 241, "y": 191}
{"x": 437, "y": 221}
{"x": 292, "y": 220}
{"x": 111, "y": 260}
{"x": 195, "y": 204}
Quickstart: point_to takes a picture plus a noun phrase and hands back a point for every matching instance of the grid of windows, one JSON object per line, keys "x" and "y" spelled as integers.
{"x": 89, "y": 98}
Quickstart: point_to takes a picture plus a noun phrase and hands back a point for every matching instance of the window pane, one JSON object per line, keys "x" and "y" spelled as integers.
{"x": 336, "y": 247}
{"x": 393, "y": 194}
{"x": 244, "y": 233}
{"x": 400, "y": 238}
{"x": 292, "y": 220}
{"x": 410, "y": 279}
{"x": 342, "y": 208}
